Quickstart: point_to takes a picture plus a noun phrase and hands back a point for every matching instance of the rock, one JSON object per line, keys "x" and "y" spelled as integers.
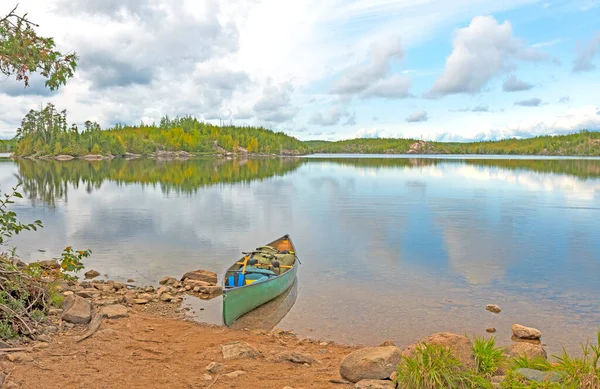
{"x": 239, "y": 350}
{"x": 207, "y": 377}
{"x": 394, "y": 375}
{"x": 118, "y": 285}
{"x": 130, "y": 297}
{"x": 116, "y": 311}
{"x": 19, "y": 357}
{"x": 149, "y": 289}
{"x": 145, "y": 296}
{"x": 51, "y": 329}
{"x": 287, "y": 387}
{"x": 201, "y": 275}
{"x": 166, "y": 297}
{"x": 493, "y": 308}
{"x": 523, "y": 332}
{"x": 130, "y": 280}
{"x": 91, "y": 274}
{"x": 87, "y": 293}
{"x": 193, "y": 283}
{"x": 44, "y": 338}
{"x": 168, "y": 280}
{"x": 490, "y": 330}
{"x": 55, "y": 311}
{"x": 292, "y": 356}
{"x": 538, "y": 375}
{"x": 375, "y": 384}
{"x": 387, "y": 343}
{"x": 140, "y": 301}
{"x": 189, "y": 287}
{"x": 234, "y": 374}
{"x": 212, "y": 291}
{"x": 51, "y": 264}
{"x": 78, "y": 312}
{"x": 68, "y": 293}
{"x": 162, "y": 289}
{"x": 460, "y": 346}
{"x": 497, "y": 379}
{"x": 196, "y": 289}
{"x": 527, "y": 349}
{"x": 214, "y": 367}
{"x": 370, "y": 363}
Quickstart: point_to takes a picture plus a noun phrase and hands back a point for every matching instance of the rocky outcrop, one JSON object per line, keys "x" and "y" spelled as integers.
{"x": 523, "y": 332}
{"x": 459, "y": 345}
{"x": 239, "y": 350}
{"x": 374, "y": 363}
{"x": 527, "y": 349}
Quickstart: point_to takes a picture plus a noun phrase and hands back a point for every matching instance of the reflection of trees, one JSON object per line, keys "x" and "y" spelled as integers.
{"x": 48, "y": 180}
{"x": 581, "y": 168}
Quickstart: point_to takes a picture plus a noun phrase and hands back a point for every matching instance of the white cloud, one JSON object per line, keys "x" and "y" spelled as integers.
{"x": 332, "y": 117}
{"x": 369, "y": 133}
{"x": 480, "y": 52}
{"x": 513, "y": 84}
{"x": 583, "y": 62}
{"x": 533, "y": 102}
{"x": 419, "y": 116}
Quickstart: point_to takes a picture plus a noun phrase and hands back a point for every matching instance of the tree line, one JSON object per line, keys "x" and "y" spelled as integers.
{"x": 46, "y": 132}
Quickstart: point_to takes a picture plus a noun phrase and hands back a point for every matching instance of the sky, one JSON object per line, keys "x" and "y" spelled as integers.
{"x": 457, "y": 70}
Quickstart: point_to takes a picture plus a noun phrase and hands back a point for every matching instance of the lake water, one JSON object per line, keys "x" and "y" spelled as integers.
{"x": 391, "y": 248}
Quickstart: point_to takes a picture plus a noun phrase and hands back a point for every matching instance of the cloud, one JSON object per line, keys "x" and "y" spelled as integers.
{"x": 275, "y": 104}
{"x": 375, "y": 118}
{"x": 533, "y": 102}
{"x": 333, "y": 116}
{"x": 351, "y": 121}
{"x": 480, "y": 108}
{"x": 481, "y": 51}
{"x": 513, "y": 84}
{"x": 419, "y": 116}
{"x": 369, "y": 133}
{"x": 564, "y": 99}
{"x": 37, "y": 87}
{"x": 546, "y": 43}
{"x": 371, "y": 79}
{"x": 583, "y": 61}
{"x": 598, "y": 112}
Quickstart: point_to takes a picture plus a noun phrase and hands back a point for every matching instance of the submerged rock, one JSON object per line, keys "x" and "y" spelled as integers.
{"x": 370, "y": 363}
{"x": 523, "y": 332}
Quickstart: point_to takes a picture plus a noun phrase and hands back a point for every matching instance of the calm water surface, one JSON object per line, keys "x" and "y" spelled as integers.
{"x": 391, "y": 248}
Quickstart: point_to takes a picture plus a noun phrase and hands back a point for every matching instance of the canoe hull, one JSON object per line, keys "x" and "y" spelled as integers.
{"x": 239, "y": 301}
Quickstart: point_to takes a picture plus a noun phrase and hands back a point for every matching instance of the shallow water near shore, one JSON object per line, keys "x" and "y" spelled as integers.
{"x": 391, "y": 248}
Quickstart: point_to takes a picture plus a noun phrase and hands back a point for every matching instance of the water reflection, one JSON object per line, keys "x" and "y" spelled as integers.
{"x": 392, "y": 248}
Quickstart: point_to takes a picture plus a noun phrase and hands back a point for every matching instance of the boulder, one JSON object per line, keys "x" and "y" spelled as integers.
{"x": 239, "y": 350}
{"x": 201, "y": 275}
{"x": 91, "y": 274}
{"x": 292, "y": 356}
{"x": 375, "y": 384}
{"x": 460, "y": 346}
{"x": 78, "y": 310}
{"x": 523, "y": 332}
{"x": 116, "y": 311}
{"x": 370, "y": 363}
{"x": 527, "y": 349}
{"x": 493, "y": 308}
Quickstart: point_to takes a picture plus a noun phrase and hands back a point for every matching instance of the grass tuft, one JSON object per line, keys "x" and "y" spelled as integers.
{"x": 488, "y": 357}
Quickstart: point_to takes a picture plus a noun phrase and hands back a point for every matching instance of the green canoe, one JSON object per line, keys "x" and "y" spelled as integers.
{"x": 258, "y": 277}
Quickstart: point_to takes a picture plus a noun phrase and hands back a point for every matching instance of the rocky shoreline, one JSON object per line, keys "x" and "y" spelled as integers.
{"x": 90, "y": 308}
